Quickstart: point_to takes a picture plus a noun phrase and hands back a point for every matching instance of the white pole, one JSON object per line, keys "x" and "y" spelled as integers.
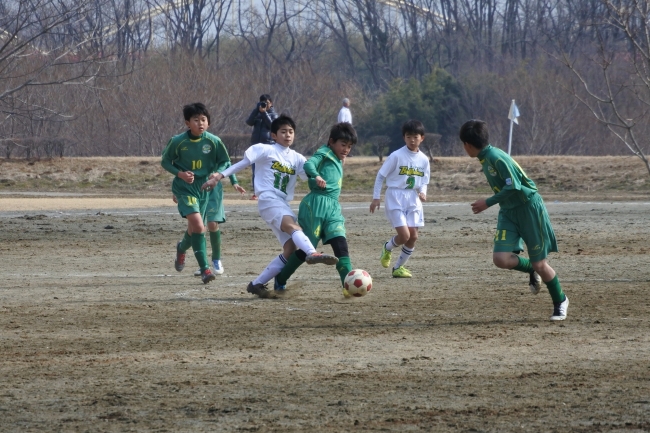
{"x": 510, "y": 138}
{"x": 513, "y": 118}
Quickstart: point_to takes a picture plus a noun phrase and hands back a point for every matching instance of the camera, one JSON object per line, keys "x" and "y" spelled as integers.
{"x": 262, "y": 104}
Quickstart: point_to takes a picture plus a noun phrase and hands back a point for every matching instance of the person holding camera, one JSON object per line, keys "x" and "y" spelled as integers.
{"x": 260, "y": 119}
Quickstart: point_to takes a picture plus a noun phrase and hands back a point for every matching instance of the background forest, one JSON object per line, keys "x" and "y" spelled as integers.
{"x": 109, "y": 77}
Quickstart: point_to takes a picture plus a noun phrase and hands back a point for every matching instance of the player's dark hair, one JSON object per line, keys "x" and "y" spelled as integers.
{"x": 265, "y": 97}
{"x": 475, "y": 132}
{"x": 343, "y": 131}
{"x": 412, "y": 127}
{"x": 197, "y": 108}
{"x": 282, "y": 120}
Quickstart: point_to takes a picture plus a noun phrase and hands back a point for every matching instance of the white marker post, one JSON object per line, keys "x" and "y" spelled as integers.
{"x": 512, "y": 115}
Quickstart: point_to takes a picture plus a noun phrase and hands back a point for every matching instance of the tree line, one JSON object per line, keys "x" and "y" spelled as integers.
{"x": 108, "y": 77}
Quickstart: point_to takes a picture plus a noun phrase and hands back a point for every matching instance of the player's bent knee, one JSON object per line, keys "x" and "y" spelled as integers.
{"x": 501, "y": 261}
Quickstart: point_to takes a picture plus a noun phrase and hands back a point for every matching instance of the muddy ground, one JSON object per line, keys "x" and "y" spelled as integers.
{"x": 99, "y": 333}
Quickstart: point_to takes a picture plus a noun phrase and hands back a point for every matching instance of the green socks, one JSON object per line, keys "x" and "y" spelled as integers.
{"x": 343, "y": 267}
{"x": 555, "y": 290}
{"x": 523, "y": 265}
{"x": 186, "y": 242}
{"x": 215, "y": 243}
{"x": 287, "y": 271}
{"x": 198, "y": 245}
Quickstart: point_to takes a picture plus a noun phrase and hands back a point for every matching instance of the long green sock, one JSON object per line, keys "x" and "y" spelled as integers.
{"x": 198, "y": 245}
{"x": 215, "y": 243}
{"x": 287, "y": 271}
{"x": 523, "y": 265}
{"x": 555, "y": 290}
{"x": 186, "y": 242}
{"x": 344, "y": 266}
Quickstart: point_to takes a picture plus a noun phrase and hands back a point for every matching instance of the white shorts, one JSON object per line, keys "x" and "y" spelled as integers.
{"x": 272, "y": 209}
{"x": 403, "y": 208}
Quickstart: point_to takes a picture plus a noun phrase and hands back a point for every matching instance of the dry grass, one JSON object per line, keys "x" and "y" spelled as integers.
{"x": 454, "y": 178}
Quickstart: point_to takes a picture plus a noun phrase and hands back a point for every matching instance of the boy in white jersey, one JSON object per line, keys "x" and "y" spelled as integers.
{"x": 276, "y": 170}
{"x": 406, "y": 172}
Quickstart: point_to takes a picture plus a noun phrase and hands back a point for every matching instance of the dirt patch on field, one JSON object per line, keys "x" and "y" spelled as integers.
{"x": 100, "y": 333}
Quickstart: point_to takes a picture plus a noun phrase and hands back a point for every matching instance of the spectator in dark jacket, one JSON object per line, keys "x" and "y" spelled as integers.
{"x": 260, "y": 119}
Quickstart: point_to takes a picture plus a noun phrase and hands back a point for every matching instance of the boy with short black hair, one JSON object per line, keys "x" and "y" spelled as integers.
{"x": 407, "y": 173}
{"x": 522, "y": 216}
{"x": 277, "y": 168}
{"x": 320, "y": 213}
{"x": 192, "y": 157}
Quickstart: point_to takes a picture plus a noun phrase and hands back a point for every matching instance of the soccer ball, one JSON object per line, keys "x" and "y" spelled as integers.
{"x": 357, "y": 283}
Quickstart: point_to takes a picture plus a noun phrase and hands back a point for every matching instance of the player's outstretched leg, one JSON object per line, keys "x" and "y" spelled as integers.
{"x": 302, "y": 242}
{"x": 296, "y": 259}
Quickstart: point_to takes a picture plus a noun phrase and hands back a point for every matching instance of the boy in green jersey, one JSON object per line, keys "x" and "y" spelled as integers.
{"x": 522, "y": 216}
{"x": 215, "y": 214}
{"x": 320, "y": 214}
{"x": 192, "y": 156}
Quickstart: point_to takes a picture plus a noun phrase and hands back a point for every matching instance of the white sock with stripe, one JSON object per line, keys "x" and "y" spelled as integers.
{"x": 403, "y": 257}
{"x": 271, "y": 270}
{"x": 391, "y": 244}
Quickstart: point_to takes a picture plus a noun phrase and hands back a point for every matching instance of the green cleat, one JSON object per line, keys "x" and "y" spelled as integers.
{"x": 401, "y": 272}
{"x": 385, "y": 257}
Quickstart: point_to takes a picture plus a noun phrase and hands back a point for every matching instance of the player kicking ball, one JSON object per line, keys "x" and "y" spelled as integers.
{"x": 277, "y": 167}
{"x": 406, "y": 172}
{"x": 522, "y": 216}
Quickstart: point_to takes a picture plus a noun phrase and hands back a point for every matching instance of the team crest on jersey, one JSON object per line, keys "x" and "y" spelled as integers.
{"x": 508, "y": 181}
{"x": 206, "y": 148}
{"x": 492, "y": 171}
{"x": 278, "y": 166}
{"x": 410, "y": 171}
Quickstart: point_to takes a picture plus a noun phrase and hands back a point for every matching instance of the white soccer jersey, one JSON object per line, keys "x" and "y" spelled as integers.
{"x": 276, "y": 169}
{"x": 405, "y": 169}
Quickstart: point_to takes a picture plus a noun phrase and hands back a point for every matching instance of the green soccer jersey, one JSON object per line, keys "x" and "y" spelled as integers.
{"x": 202, "y": 155}
{"x": 506, "y": 178}
{"x": 326, "y": 164}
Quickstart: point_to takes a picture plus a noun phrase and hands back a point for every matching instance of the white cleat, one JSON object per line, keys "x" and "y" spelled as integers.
{"x": 560, "y": 310}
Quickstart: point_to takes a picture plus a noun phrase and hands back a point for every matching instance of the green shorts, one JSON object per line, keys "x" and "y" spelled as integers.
{"x": 215, "y": 211}
{"x": 189, "y": 196}
{"x": 320, "y": 218}
{"x": 529, "y": 224}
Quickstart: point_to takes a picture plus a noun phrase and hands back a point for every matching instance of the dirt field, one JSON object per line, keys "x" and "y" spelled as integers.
{"x": 98, "y": 332}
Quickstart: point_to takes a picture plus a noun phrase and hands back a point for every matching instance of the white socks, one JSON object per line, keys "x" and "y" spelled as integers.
{"x": 302, "y": 242}
{"x": 403, "y": 257}
{"x": 391, "y": 244}
{"x": 271, "y": 270}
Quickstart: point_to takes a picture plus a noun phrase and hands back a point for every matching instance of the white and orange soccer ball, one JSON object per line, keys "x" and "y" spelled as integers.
{"x": 357, "y": 283}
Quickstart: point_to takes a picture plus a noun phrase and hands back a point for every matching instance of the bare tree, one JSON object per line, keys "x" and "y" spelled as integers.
{"x": 619, "y": 95}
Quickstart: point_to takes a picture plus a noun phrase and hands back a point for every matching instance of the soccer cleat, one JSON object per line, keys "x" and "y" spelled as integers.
{"x": 317, "y": 257}
{"x": 207, "y": 276}
{"x": 535, "y": 283}
{"x": 218, "y": 267}
{"x": 257, "y": 289}
{"x": 197, "y": 273}
{"x": 560, "y": 309}
{"x": 277, "y": 286}
{"x": 179, "y": 263}
{"x": 385, "y": 257}
{"x": 401, "y": 272}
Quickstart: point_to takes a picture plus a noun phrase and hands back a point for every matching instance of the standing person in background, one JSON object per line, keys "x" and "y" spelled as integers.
{"x": 260, "y": 119}
{"x": 345, "y": 116}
